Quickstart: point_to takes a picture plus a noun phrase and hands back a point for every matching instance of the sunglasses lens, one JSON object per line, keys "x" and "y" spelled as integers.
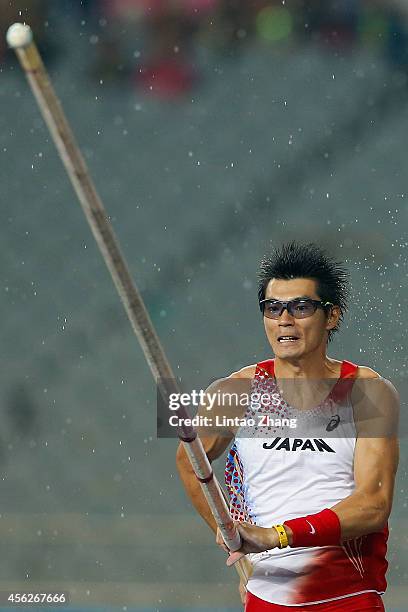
{"x": 303, "y": 309}
{"x": 272, "y": 310}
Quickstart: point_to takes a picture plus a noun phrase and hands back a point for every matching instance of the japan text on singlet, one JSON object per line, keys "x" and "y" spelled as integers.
{"x": 275, "y": 478}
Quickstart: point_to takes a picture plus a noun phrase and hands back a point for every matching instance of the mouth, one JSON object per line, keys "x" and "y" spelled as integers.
{"x": 287, "y": 339}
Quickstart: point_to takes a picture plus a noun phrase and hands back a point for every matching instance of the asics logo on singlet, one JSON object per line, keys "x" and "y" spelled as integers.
{"x": 298, "y": 444}
{"x": 312, "y": 529}
{"x": 333, "y": 423}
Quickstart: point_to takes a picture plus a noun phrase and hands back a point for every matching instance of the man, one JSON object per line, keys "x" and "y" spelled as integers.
{"x": 312, "y": 511}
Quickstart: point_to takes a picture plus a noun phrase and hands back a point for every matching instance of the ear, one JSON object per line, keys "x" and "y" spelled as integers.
{"x": 333, "y": 317}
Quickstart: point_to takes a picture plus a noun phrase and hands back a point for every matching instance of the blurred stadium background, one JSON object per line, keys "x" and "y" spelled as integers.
{"x": 213, "y": 129}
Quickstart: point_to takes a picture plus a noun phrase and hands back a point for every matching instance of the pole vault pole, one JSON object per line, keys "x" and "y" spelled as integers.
{"x": 20, "y": 38}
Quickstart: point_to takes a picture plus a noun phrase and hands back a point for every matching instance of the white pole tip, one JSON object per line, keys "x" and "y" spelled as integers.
{"x": 19, "y": 35}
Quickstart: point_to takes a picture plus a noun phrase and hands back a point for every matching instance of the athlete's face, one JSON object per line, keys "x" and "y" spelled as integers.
{"x": 310, "y": 332}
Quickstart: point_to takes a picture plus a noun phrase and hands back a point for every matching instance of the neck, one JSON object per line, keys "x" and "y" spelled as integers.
{"x": 318, "y": 366}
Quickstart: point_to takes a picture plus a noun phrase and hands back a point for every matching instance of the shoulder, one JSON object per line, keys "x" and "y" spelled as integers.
{"x": 239, "y": 380}
{"x": 366, "y": 372}
{"x": 245, "y": 372}
{"x": 382, "y": 384}
{"x": 375, "y": 402}
{"x": 336, "y": 366}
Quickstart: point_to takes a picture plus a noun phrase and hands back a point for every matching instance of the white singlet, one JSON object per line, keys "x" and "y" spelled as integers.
{"x": 272, "y": 478}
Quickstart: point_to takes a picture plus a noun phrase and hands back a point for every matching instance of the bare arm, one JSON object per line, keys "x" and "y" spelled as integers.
{"x": 375, "y": 462}
{"x": 214, "y": 447}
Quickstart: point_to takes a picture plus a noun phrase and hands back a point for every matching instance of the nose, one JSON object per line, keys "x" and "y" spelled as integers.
{"x": 286, "y": 318}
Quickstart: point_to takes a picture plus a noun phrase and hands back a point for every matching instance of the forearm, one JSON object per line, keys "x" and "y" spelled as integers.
{"x": 356, "y": 515}
{"x": 361, "y": 513}
{"x": 193, "y": 488}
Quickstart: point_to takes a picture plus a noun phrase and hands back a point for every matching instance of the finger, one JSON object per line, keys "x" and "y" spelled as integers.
{"x": 234, "y": 557}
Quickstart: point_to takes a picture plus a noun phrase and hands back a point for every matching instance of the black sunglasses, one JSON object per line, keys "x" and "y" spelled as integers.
{"x": 300, "y": 309}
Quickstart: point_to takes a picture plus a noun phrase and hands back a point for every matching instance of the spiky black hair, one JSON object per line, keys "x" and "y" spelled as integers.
{"x": 296, "y": 260}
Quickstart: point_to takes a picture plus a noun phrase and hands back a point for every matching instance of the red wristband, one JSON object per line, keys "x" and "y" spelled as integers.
{"x": 321, "y": 529}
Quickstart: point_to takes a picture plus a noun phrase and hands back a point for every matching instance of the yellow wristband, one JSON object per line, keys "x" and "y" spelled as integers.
{"x": 283, "y": 538}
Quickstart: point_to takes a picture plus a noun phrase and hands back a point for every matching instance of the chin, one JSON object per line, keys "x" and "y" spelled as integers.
{"x": 284, "y": 353}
